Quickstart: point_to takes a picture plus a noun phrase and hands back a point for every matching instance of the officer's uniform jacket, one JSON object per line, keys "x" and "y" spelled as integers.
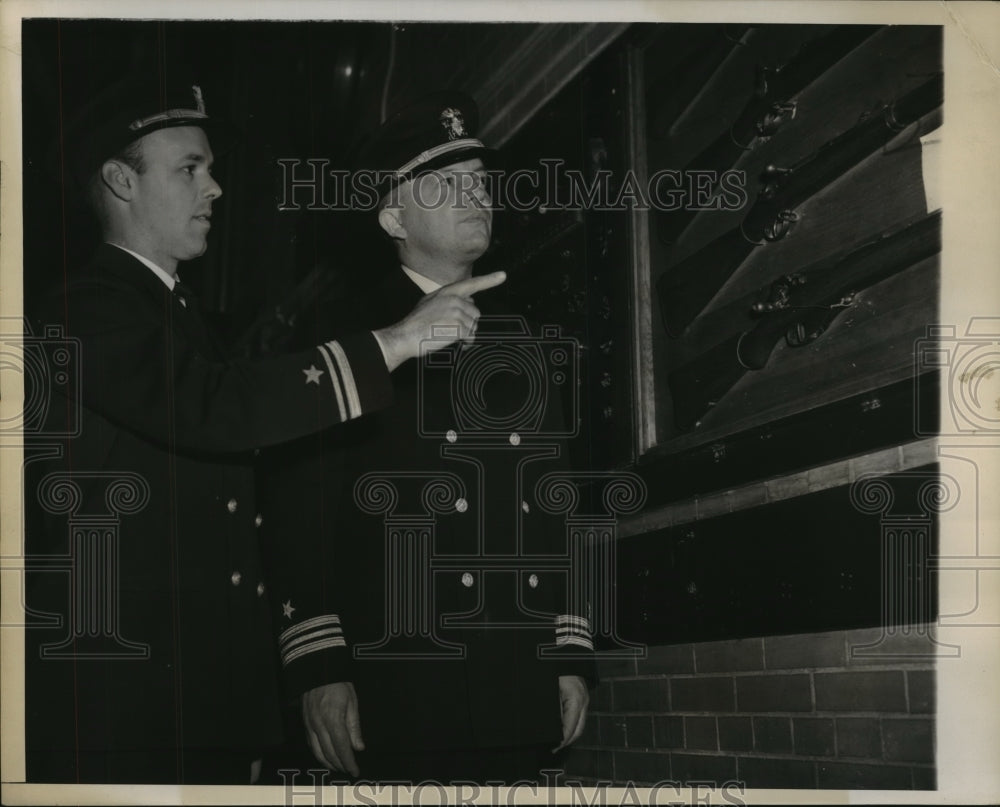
{"x": 418, "y": 480}
{"x": 193, "y": 664}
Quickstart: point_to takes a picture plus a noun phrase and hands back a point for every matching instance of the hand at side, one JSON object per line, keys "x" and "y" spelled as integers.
{"x": 333, "y": 725}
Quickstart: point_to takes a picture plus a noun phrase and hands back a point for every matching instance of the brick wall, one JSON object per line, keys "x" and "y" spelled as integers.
{"x": 774, "y": 712}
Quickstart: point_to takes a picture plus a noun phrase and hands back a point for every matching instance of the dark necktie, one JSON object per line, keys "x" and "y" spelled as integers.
{"x": 195, "y": 325}
{"x": 185, "y": 294}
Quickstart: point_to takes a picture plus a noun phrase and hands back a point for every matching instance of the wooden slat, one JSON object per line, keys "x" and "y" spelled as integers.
{"x": 878, "y": 195}
{"x": 884, "y": 190}
{"x": 878, "y": 72}
{"x": 728, "y": 89}
{"x": 886, "y": 67}
{"x": 868, "y": 346}
{"x": 771, "y": 86}
{"x": 676, "y": 66}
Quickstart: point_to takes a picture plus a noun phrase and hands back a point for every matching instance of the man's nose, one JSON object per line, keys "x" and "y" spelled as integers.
{"x": 482, "y": 195}
{"x": 213, "y": 190}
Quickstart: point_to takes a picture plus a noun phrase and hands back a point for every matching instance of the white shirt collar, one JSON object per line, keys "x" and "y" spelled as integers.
{"x": 168, "y": 279}
{"x": 425, "y": 284}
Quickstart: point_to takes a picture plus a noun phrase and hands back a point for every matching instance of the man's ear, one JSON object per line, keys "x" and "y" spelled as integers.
{"x": 390, "y": 221}
{"x": 119, "y": 178}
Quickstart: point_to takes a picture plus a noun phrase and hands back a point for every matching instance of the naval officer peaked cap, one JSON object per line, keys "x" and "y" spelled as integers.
{"x": 129, "y": 110}
{"x": 437, "y": 130}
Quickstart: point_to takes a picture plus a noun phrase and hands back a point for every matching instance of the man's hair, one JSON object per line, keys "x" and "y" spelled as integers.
{"x": 133, "y": 156}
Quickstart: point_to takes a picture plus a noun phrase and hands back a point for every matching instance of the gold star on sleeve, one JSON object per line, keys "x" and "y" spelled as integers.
{"x": 312, "y": 374}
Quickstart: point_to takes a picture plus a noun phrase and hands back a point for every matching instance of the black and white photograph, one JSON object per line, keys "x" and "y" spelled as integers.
{"x": 450, "y": 404}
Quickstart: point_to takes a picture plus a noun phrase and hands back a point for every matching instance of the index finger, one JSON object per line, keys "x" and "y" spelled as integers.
{"x": 472, "y": 285}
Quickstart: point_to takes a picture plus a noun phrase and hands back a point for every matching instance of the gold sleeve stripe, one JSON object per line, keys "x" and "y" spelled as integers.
{"x": 350, "y": 388}
{"x": 334, "y": 380}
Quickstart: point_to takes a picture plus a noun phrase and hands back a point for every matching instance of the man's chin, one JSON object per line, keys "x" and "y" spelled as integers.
{"x": 477, "y": 252}
{"x": 478, "y": 243}
{"x": 196, "y": 251}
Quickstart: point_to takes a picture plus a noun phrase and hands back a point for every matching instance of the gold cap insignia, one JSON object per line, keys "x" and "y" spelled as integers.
{"x": 453, "y": 122}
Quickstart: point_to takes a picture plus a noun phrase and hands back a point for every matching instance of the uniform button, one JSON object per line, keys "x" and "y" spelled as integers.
{"x": 231, "y": 505}
{"x": 533, "y": 581}
{"x": 524, "y": 507}
{"x": 515, "y": 439}
{"x": 467, "y": 580}
{"x": 258, "y": 520}
{"x": 256, "y": 452}
{"x": 451, "y": 437}
{"x": 461, "y": 505}
{"x": 236, "y": 577}
{"x": 260, "y": 589}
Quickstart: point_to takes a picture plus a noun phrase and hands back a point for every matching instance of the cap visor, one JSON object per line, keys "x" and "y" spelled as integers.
{"x": 487, "y": 155}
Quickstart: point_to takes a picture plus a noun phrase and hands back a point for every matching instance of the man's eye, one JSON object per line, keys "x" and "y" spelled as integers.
{"x": 188, "y": 169}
